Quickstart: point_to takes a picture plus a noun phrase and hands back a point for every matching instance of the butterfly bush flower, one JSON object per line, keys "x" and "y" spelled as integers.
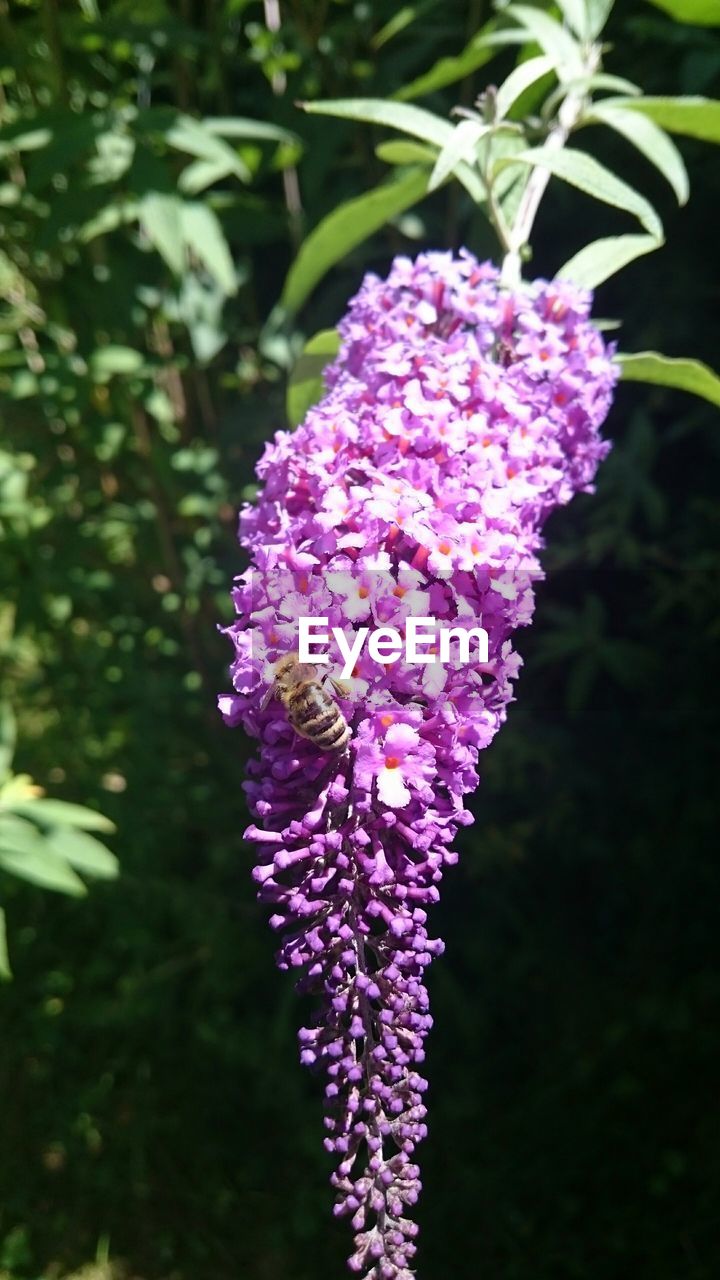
{"x": 457, "y": 416}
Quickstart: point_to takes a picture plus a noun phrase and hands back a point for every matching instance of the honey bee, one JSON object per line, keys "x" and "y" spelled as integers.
{"x": 312, "y": 712}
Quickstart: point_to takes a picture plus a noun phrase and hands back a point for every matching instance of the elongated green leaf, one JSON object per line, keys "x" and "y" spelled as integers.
{"x": 598, "y": 14}
{"x": 241, "y": 127}
{"x": 618, "y": 84}
{"x": 668, "y": 371}
{"x": 402, "y": 153}
{"x": 703, "y": 13}
{"x": 39, "y": 865}
{"x": 479, "y": 51}
{"x": 603, "y": 258}
{"x": 585, "y": 173}
{"x": 203, "y": 234}
{"x": 460, "y": 148}
{"x": 406, "y": 153}
{"x": 346, "y": 227}
{"x": 651, "y": 140}
{"x": 415, "y": 121}
{"x": 693, "y": 117}
{"x": 552, "y": 37}
{"x": 115, "y": 359}
{"x": 5, "y": 970}
{"x": 575, "y": 13}
{"x": 201, "y": 174}
{"x": 523, "y": 76}
{"x": 7, "y": 739}
{"x": 412, "y": 120}
{"x": 62, "y": 813}
{"x": 305, "y": 384}
{"x": 83, "y": 852}
{"x": 400, "y": 21}
{"x": 160, "y": 218}
{"x": 194, "y": 138}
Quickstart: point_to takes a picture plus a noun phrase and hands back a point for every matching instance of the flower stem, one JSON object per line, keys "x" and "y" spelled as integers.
{"x": 567, "y": 118}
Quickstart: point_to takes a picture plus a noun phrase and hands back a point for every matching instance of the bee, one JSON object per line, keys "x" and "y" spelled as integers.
{"x": 311, "y": 710}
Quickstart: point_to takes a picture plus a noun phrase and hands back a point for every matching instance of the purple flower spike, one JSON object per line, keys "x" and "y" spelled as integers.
{"x": 457, "y": 417}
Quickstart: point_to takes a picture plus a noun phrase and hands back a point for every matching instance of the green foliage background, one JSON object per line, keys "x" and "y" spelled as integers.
{"x": 152, "y": 1110}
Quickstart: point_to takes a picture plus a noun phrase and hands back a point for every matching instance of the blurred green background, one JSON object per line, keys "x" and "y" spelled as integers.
{"x": 154, "y": 1120}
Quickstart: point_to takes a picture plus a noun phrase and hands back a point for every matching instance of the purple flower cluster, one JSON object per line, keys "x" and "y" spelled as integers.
{"x": 457, "y": 416}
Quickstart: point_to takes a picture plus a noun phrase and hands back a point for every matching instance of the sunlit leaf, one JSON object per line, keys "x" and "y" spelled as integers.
{"x": 703, "y": 13}
{"x": 479, "y": 51}
{"x": 37, "y": 864}
{"x": 345, "y": 228}
{"x": 408, "y": 119}
{"x": 83, "y": 852}
{"x": 598, "y": 14}
{"x": 161, "y": 219}
{"x": 203, "y": 234}
{"x": 415, "y": 121}
{"x": 588, "y": 175}
{"x": 460, "y": 148}
{"x": 552, "y": 37}
{"x": 194, "y": 138}
{"x": 406, "y": 153}
{"x": 7, "y": 739}
{"x": 691, "y": 116}
{"x": 651, "y": 140}
{"x": 669, "y": 371}
{"x": 575, "y": 13}
{"x": 520, "y": 79}
{"x": 400, "y": 21}
{"x": 62, "y": 813}
{"x": 305, "y": 384}
{"x": 241, "y": 127}
{"x": 603, "y": 258}
{"x": 116, "y": 359}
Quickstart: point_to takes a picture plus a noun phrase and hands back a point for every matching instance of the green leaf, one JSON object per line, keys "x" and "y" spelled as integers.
{"x": 650, "y": 139}
{"x": 345, "y": 228}
{"x": 241, "y": 127}
{"x": 200, "y": 175}
{"x": 694, "y": 117}
{"x": 667, "y": 371}
{"x": 62, "y": 813}
{"x": 479, "y": 51}
{"x": 194, "y": 138}
{"x": 398, "y": 153}
{"x": 115, "y": 359}
{"x": 552, "y": 37}
{"x": 400, "y": 21}
{"x": 575, "y": 13}
{"x": 585, "y": 173}
{"x": 83, "y": 852}
{"x": 520, "y": 79}
{"x": 460, "y": 148}
{"x": 5, "y": 970}
{"x": 603, "y": 258}
{"x": 305, "y": 384}
{"x": 598, "y": 14}
{"x": 415, "y": 121}
{"x": 408, "y": 119}
{"x": 37, "y": 864}
{"x": 161, "y": 220}
{"x": 203, "y": 234}
{"x": 702, "y": 13}
{"x": 8, "y": 736}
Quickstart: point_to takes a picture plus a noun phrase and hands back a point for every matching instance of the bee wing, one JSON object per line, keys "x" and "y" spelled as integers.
{"x": 267, "y": 696}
